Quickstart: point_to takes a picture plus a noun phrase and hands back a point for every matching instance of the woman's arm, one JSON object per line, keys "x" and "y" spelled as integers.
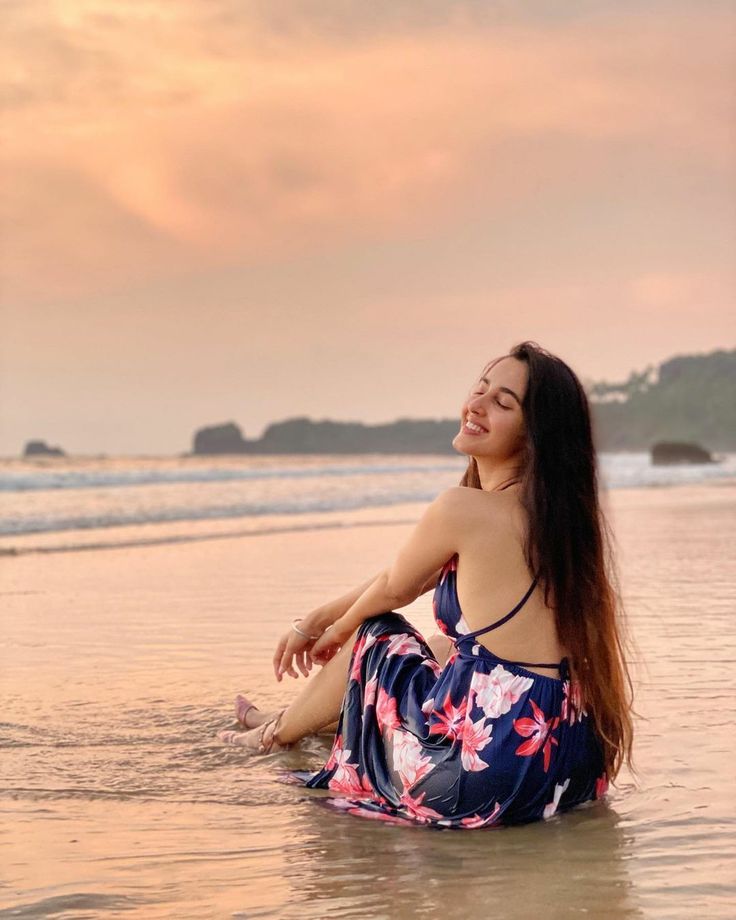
{"x": 326, "y": 615}
{"x": 377, "y": 598}
{"x": 434, "y": 539}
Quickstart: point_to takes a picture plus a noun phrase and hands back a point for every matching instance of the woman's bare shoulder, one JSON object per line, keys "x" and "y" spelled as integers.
{"x": 498, "y": 515}
{"x": 472, "y": 496}
{"x": 483, "y": 502}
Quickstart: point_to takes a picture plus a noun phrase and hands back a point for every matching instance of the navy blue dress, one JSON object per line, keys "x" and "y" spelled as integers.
{"x": 480, "y": 742}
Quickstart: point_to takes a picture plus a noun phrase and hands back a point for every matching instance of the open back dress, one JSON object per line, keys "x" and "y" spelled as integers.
{"x": 480, "y": 742}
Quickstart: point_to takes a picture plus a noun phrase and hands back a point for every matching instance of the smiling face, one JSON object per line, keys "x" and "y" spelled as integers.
{"x": 493, "y": 404}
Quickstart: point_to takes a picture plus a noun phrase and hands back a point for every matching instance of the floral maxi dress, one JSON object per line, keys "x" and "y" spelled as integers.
{"x": 480, "y": 742}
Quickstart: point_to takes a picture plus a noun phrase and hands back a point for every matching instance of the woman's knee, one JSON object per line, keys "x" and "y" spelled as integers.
{"x": 440, "y": 645}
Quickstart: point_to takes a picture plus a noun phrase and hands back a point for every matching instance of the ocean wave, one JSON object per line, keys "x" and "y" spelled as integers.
{"x": 51, "y": 479}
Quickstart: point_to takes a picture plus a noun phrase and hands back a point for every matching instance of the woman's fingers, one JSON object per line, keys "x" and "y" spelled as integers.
{"x": 286, "y": 667}
{"x": 278, "y": 655}
{"x": 326, "y": 652}
{"x": 318, "y": 648}
{"x": 290, "y": 655}
{"x": 300, "y": 663}
{"x": 282, "y": 658}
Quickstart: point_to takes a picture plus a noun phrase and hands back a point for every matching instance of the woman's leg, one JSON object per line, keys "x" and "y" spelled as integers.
{"x": 319, "y": 703}
{"x": 316, "y": 708}
{"x": 258, "y": 717}
{"x": 440, "y": 645}
{"x": 438, "y": 642}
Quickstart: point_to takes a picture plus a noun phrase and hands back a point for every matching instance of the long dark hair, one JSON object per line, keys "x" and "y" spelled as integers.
{"x": 569, "y": 543}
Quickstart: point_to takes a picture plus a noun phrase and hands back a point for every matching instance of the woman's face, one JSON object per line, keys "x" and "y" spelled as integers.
{"x": 493, "y": 404}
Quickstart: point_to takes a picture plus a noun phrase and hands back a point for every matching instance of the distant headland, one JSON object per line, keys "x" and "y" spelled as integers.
{"x": 689, "y": 398}
{"x": 687, "y": 404}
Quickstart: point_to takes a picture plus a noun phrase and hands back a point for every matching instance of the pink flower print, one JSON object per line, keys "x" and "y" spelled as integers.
{"x": 418, "y": 811}
{"x": 451, "y": 719}
{"x": 551, "y": 809}
{"x": 475, "y": 736}
{"x": 345, "y": 777}
{"x": 461, "y": 627}
{"x": 335, "y": 753}
{"x": 365, "y": 791}
{"x": 403, "y": 644}
{"x": 346, "y": 780}
{"x": 386, "y": 714}
{"x": 572, "y": 702}
{"x": 434, "y": 666}
{"x": 355, "y": 808}
{"x": 369, "y": 694}
{"x": 537, "y": 730}
{"x": 479, "y": 821}
{"x": 601, "y": 786}
{"x": 441, "y": 625}
{"x": 369, "y": 790}
{"x": 407, "y": 758}
{"x": 449, "y": 566}
{"x": 361, "y": 647}
{"x": 379, "y": 816}
{"x": 360, "y": 787}
{"x": 496, "y": 693}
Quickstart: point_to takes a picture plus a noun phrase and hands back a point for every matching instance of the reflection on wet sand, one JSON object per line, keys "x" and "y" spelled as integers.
{"x": 574, "y": 864}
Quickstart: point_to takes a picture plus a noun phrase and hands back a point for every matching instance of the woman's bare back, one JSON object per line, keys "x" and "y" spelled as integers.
{"x": 492, "y": 577}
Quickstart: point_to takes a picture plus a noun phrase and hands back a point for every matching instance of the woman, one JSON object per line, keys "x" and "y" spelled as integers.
{"x": 520, "y": 707}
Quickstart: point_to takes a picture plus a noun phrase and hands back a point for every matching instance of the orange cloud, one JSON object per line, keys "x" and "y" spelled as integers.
{"x": 154, "y": 139}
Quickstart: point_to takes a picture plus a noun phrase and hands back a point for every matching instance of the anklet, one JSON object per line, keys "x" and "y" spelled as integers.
{"x": 275, "y": 722}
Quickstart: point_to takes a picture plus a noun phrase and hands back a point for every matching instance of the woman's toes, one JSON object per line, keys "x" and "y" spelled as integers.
{"x": 229, "y": 737}
{"x": 250, "y": 739}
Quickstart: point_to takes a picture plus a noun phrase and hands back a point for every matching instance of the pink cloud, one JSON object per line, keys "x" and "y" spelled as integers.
{"x": 204, "y": 150}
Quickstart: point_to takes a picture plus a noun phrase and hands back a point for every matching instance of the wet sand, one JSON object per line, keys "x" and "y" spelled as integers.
{"x": 120, "y": 665}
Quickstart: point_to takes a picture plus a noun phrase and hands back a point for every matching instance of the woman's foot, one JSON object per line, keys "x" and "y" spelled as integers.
{"x": 259, "y": 740}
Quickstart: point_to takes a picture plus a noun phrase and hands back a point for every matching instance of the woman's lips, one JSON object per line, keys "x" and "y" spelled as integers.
{"x": 472, "y": 431}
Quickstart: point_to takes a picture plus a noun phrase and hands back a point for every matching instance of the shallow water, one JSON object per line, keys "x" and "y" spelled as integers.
{"x": 119, "y": 666}
{"x": 60, "y": 502}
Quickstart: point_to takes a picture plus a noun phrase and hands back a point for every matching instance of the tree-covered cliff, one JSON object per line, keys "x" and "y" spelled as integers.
{"x": 690, "y": 398}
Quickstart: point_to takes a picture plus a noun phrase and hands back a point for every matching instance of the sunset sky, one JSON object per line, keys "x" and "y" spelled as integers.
{"x": 223, "y": 210}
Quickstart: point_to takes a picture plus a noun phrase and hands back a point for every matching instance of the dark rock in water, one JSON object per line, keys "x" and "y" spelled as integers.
{"x": 666, "y": 452}
{"x": 41, "y": 449}
{"x": 220, "y": 439}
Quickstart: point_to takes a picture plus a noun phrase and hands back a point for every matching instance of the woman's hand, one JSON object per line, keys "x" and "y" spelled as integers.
{"x": 329, "y": 643}
{"x": 294, "y": 648}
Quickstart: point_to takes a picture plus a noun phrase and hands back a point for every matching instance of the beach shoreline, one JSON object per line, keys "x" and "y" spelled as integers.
{"x": 120, "y": 667}
{"x": 192, "y": 531}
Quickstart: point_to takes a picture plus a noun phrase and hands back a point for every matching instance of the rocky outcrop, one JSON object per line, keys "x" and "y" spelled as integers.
{"x": 41, "y": 449}
{"x": 669, "y": 452}
{"x": 220, "y": 439}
